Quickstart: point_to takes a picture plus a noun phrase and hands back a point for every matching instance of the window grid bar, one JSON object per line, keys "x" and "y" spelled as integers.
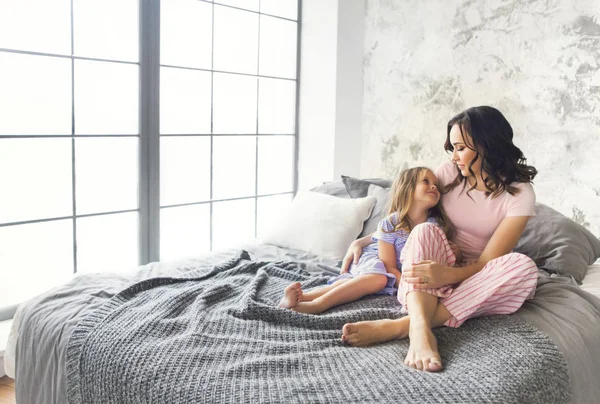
{"x": 73, "y": 174}
{"x": 226, "y": 72}
{"x": 55, "y": 55}
{"x": 212, "y": 86}
{"x": 53, "y": 219}
{"x": 61, "y": 136}
{"x": 297, "y": 125}
{"x": 149, "y": 231}
{"x": 256, "y": 142}
{"x": 250, "y": 11}
{"x": 224, "y": 200}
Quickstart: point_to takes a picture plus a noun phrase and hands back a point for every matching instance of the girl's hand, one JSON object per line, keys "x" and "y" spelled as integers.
{"x": 456, "y": 251}
{"x": 353, "y": 254}
{"x": 426, "y": 275}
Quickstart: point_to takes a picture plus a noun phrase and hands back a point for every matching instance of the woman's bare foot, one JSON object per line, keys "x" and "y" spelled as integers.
{"x": 423, "y": 352}
{"x": 291, "y": 296}
{"x": 366, "y": 333}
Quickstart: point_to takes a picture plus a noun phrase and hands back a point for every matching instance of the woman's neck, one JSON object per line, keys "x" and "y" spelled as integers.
{"x": 417, "y": 215}
{"x": 480, "y": 182}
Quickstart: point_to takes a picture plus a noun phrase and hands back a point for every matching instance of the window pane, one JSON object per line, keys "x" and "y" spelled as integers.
{"x": 35, "y": 95}
{"x": 247, "y": 4}
{"x": 236, "y": 40}
{"x": 234, "y": 166}
{"x": 281, "y": 8}
{"x": 184, "y": 231}
{"x": 233, "y": 223}
{"x": 275, "y": 164}
{"x": 184, "y": 169}
{"x": 277, "y": 47}
{"x": 186, "y": 33}
{"x": 35, "y": 179}
{"x": 35, "y": 257}
{"x": 106, "y": 29}
{"x": 276, "y": 106}
{"x": 106, "y": 98}
{"x": 36, "y": 25}
{"x": 184, "y": 101}
{"x": 106, "y": 172}
{"x": 234, "y": 103}
{"x": 107, "y": 243}
{"x": 269, "y": 210}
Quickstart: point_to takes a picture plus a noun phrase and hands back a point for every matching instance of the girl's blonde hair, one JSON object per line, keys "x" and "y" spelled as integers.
{"x": 403, "y": 192}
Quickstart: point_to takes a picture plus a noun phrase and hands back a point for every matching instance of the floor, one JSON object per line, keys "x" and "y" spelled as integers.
{"x": 7, "y": 390}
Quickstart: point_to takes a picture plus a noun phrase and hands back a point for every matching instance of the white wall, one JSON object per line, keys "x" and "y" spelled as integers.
{"x": 537, "y": 61}
{"x": 331, "y": 88}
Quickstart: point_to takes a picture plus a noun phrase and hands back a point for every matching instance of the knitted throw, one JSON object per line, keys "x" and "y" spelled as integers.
{"x": 218, "y": 336}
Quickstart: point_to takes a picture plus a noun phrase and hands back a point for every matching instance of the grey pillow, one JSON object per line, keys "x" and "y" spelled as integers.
{"x": 558, "y": 244}
{"x": 382, "y": 195}
{"x": 334, "y": 188}
{"x": 358, "y": 188}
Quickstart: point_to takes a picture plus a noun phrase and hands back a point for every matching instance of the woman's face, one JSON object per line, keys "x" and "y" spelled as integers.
{"x": 463, "y": 152}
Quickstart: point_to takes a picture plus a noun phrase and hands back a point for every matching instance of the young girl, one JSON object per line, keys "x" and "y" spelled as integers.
{"x": 415, "y": 197}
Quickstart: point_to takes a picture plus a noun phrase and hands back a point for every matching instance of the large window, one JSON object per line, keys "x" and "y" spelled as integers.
{"x": 132, "y": 131}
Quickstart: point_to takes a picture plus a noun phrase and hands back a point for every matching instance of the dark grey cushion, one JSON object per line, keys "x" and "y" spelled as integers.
{"x": 382, "y": 195}
{"x": 334, "y": 188}
{"x": 359, "y": 188}
{"x": 558, "y": 244}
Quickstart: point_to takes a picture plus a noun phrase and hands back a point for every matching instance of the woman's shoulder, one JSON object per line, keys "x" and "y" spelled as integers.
{"x": 525, "y": 190}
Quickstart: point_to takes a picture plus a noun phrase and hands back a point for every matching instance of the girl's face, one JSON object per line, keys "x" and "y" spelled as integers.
{"x": 463, "y": 152}
{"x": 427, "y": 191}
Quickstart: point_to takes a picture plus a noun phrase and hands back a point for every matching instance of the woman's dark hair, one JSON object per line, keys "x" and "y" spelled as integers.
{"x": 502, "y": 161}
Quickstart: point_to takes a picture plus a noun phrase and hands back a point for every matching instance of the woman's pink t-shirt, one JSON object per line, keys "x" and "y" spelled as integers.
{"x": 476, "y": 220}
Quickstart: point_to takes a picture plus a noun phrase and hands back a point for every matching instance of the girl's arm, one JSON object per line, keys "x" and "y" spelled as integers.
{"x": 503, "y": 240}
{"x": 354, "y": 252}
{"x": 387, "y": 254}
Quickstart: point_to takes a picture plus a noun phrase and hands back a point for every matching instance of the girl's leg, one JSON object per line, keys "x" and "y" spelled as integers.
{"x": 293, "y": 293}
{"x": 346, "y": 292}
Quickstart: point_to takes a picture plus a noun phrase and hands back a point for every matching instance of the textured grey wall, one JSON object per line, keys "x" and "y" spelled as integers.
{"x": 537, "y": 61}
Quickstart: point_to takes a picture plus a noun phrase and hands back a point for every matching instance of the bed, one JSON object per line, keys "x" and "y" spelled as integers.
{"x": 208, "y": 329}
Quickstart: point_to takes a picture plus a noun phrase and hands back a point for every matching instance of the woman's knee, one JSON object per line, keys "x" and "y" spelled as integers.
{"x": 518, "y": 264}
{"x": 425, "y": 231}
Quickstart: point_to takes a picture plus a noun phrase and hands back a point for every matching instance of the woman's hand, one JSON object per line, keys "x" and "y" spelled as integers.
{"x": 426, "y": 275}
{"x": 353, "y": 254}
{"x": 456, "y": 251}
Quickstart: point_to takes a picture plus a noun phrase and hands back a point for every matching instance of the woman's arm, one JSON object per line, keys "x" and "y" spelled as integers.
{"x": 387, "y": 254}
{"x": 502, "y": 242}
{"x": 354, "y": 252}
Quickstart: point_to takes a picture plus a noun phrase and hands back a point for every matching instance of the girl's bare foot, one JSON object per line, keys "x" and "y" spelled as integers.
{"x": 291, "y": 296}
{"x": 366, "y": 333}
{"x": 423, "y": 352}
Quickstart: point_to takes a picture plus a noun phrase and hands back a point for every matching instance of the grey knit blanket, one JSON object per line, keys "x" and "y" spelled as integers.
{"x": 218, "y": 336}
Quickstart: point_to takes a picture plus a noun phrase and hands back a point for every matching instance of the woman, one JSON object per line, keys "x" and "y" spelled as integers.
{"x": 489, "y": 198}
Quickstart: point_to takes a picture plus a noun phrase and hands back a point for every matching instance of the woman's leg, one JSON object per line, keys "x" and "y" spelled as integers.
{"x": 501, "y": 287}
{"x": 346, "y": 292}
{"x": 425, "y": 242}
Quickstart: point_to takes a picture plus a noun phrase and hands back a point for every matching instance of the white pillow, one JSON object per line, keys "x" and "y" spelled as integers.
{"x": 321, "y": 224}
